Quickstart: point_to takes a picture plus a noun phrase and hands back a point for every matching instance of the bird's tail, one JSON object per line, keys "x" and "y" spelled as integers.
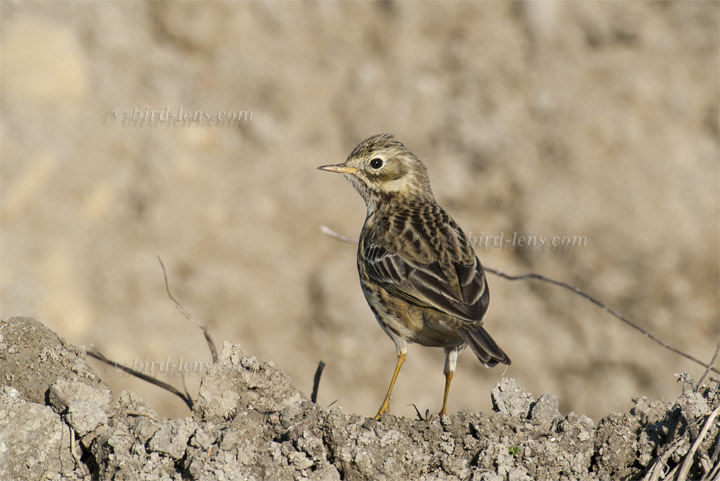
{"x": 485, "y": 347}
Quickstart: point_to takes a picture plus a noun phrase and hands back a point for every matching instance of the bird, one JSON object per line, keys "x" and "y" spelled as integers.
{"x": 418, "y": 272}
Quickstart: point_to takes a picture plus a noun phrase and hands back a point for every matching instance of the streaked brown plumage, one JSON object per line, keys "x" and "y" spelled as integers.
{"x": 417, "y": 270}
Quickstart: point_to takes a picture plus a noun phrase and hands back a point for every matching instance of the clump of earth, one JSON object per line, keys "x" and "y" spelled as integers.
{"x": 59, "y": 420}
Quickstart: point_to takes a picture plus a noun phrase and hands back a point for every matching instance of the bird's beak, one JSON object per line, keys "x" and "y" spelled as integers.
{"x": 339, "y": 168}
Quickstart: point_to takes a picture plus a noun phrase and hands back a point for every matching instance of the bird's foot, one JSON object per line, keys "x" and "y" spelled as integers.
{"x": 384, "y": 409}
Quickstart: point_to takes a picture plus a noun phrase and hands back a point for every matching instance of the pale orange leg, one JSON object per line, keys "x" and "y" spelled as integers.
{"x": 385, "y": 407}
{"x": 448, "y": 380}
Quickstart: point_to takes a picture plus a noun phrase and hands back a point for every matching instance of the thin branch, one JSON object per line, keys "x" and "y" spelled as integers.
{"x": 94, "y": 353}
{"x": 316, "y": 381}
{"x": 709, "y": 367}
{"x": 342, "y": 238}
{"x": 420, "y": 416}
{"x": 73, "y": 453}
{"x": 692, "y": 428}
{"x": 656, "y": 471}
{"x": 689, "y": 457}
{"x": 182, "y": 377}
{"x": 606, "y": 308}
{"x": 188, "y": 315}
{"x": 715, "y": 474}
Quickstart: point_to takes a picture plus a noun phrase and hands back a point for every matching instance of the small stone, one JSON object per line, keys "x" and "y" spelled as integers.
{"x": 509, "y": 398}
{"x": 172, "y": 437}
{"x": 86, "y": 406}
{"x": 545, "y": 410}
{"x": 369, "y": 423}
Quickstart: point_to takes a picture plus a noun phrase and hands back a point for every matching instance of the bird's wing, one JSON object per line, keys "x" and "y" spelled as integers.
{"x": 459, "y": 290}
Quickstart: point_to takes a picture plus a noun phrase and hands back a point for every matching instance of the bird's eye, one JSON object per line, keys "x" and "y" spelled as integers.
{"x": 376, "y": 163}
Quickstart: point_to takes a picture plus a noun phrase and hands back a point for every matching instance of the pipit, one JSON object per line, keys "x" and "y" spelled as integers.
{"x": 417, "y": 270}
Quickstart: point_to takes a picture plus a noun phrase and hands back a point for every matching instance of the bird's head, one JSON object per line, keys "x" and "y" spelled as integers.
{"x": 381, "y": 169}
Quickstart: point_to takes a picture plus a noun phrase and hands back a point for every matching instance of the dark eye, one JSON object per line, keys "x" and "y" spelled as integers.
{"x": 376, "y": 163}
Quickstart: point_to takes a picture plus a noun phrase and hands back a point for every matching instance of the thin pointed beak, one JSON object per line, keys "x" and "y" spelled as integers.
{"x": 339, "y": 168}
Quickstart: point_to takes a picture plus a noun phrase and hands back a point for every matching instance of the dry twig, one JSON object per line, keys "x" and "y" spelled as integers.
{"x": 316, "y": 381}
{"x": 707, "y": 369}
{"x": 188, "y": 315}
{"x": 94, "y": 353}
{"x": 656, "y": 471}
{"x": 606, "y": 308}
{"x": 688, "y": 462}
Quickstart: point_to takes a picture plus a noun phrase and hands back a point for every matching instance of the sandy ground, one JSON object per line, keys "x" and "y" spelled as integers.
{"x": 554, "y": 118}
{"x": 58, "y": 421}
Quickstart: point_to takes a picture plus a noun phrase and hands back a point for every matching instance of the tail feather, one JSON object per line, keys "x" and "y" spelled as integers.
{"x": 485, "y": 347}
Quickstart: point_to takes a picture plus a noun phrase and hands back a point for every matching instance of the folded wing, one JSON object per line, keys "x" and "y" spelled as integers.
{"x": 456, "y": 289}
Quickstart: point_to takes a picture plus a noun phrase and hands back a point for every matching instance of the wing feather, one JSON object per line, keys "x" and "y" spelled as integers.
{"x": 460, "y": 291}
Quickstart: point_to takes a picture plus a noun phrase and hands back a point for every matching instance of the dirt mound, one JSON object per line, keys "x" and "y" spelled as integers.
{"x": 59, "y": 421}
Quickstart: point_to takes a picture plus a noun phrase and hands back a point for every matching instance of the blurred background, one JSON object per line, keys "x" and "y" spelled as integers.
{"x": 596, "y": 120}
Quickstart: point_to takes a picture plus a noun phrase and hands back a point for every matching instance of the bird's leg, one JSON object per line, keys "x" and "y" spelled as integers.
{"x": 450, "y": 364}
{"x": 448, "y": 380}
{"x": 385, "y": 407}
